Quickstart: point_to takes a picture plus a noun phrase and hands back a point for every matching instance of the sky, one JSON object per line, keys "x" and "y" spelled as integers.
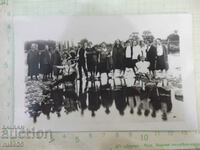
{"x": 95, "y": 28}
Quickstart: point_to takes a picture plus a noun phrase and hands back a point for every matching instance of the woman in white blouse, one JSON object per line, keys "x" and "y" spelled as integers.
{"x": 135, "y": 55}
{"x": 128, "y": 55}
{"x": 143, "y": 49}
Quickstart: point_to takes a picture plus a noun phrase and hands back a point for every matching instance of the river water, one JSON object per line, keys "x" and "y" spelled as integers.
{"x": 104, "y": 104}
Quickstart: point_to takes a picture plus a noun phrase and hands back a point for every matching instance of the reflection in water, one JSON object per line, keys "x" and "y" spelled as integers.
{"x": 83, "y": 96}
{"x": 106, "y": 96}
{"x": 120, "y": 97}
{"x": 94, "y": 102}
{"x": 70, "y": 102}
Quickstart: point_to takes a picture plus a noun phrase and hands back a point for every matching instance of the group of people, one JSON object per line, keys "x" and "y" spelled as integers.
{"x": 142, "y": 56}
{"x": 43, "y": 61}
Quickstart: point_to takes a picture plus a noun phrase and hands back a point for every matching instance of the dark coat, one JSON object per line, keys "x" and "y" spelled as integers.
{"x": 118, "y": 57}
{"x": 56, "y": 61}
{"x": 45, "y": 62}
{"x": 162, "y": 60}
{"x": 33, "y": 63}
{"x": 81, "y": 54}
{"x": 45, "y": 57}
{"x": 151, "y": 57}
{"x": 104, "y": 64}
{"x": 128, "y": 61}
{"x": 56, "y": 58}
{"x": 92, "y": 57}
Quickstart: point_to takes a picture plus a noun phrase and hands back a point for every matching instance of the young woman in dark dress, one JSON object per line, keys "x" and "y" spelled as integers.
{"x": 151, "y": 56}
{"x": 118, "y": 57}
{"x": 162, "y": 56}
{"x": 104, "y": 65}
{"x": 92, "y": 56}
{"x": 106, "y": 96}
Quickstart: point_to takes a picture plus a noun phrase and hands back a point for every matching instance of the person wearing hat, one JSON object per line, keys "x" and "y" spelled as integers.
{"x": 33, "y": 61}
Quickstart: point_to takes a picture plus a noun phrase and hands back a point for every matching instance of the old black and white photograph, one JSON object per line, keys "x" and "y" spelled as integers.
{"x": 105, "y": 73}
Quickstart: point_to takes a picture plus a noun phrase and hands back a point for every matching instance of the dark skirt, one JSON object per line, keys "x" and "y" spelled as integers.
{"x": 134, "y": 61}
{"x": 118, "y": 65}
{"x": 33, "y": 69}
{"x": 91, "y": 65}
{"x": 129, "y": 63}
{"x": 91, "y": 62}
{"x": 118, "y": 62}
{"x": 50, "y": 68}
{"x": 160, "y": 64}
{"x": 152, "y": 65}
{"x": 104, "y": 66}
{"x": 45, "y": 69}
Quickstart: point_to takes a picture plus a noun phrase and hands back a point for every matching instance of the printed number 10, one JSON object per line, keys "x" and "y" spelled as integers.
{"x": 144, "y": 137}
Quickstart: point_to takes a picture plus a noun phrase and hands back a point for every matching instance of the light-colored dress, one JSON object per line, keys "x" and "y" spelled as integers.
{"x": 143, "y": 66}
